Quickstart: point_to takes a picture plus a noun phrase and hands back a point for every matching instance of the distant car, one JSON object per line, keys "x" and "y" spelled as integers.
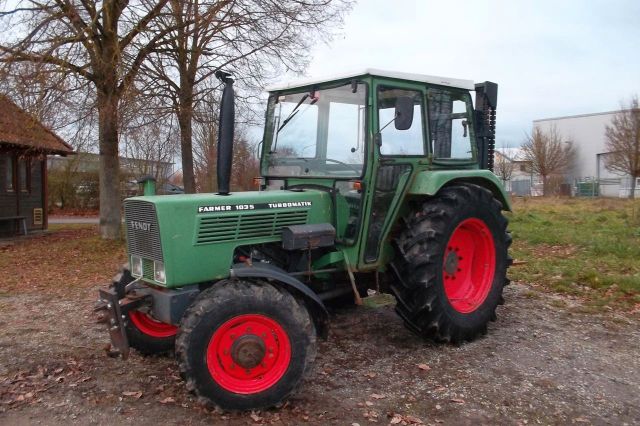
{"x": 133, "y": 189}
{"x": 170, "y": 189}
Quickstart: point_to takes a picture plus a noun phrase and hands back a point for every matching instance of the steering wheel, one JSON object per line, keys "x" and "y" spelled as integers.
{"x": 347, "y": 166}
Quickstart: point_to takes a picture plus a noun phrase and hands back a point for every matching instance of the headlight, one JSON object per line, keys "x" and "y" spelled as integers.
{"x": 136, "y": 266}
{"x": 158, "y": 272}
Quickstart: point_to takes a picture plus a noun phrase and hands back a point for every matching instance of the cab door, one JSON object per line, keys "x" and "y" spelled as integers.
{"x": 399, "y": 146}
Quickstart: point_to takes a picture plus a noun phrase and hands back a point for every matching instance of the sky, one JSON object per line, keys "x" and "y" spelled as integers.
{"x": 549, "y": 58}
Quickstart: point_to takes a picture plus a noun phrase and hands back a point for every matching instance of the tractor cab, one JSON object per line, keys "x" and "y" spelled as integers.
{"x": 366, "y": 137}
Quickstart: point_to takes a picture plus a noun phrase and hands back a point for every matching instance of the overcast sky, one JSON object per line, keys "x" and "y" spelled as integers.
{"x": 549, "y": 58}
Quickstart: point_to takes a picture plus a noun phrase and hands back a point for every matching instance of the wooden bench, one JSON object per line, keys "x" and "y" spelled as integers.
{"x": 22, "y": 219}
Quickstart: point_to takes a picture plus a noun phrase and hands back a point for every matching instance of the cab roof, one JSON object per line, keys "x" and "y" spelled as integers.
{"x": 431, "y": 79}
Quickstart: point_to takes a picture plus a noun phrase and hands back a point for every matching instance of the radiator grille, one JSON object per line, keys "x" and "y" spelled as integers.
{"x": 147, "y": 269}
{"x": 143, "y": 234}
{"x": 218, "y": 229}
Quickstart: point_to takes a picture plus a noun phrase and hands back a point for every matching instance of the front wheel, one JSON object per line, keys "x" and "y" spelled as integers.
{"x": 245, "y": 345}
{"x": 144, "y": 333}
{"x": 450, "y": 264}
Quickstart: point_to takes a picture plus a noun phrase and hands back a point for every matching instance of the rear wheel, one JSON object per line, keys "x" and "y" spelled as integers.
{"x": 451, "y": 262}
{"x": 145, "y": 334}
{"x": 245, "y": 345}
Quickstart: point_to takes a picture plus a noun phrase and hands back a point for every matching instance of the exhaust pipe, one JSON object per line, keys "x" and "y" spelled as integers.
{"x": 225, "y": 133}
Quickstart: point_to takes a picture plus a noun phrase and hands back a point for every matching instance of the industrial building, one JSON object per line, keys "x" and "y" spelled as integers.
{"x": 590, "y": 175}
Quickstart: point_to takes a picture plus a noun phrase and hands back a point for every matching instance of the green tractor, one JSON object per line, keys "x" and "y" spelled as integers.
{"x": 372, "y": 178}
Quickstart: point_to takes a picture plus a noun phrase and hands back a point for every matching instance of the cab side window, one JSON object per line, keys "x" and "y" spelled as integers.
{"x": 395, "y": 141}
{"x": 449, "y": 124}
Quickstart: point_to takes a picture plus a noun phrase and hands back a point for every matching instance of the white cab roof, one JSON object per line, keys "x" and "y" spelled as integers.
{"x": 432, "y": 79}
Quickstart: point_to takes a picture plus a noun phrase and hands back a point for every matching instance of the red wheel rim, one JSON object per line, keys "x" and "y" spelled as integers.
{"x": 248, "y": 354}
{"x": 146, "y": 324}
{"x": 469, "y": 265}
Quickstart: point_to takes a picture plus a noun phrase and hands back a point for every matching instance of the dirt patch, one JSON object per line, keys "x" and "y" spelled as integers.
{"x": 542, "y": 361}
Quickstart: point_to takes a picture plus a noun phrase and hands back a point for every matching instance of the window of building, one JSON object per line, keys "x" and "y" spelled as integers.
{"x": 394, "y": 141}
{"x": 9, "y": 181}
{"x": 24, "y": 175}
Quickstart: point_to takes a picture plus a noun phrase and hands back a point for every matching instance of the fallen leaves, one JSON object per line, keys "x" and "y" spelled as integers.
{"x": 24, "y": 387}
{"x": 133, "y": 394}
{"x": 424, "y": 367}
{"x": 371, "y": 415}
{"x": 407, "y": 419}
{"x": 81, "y": 257}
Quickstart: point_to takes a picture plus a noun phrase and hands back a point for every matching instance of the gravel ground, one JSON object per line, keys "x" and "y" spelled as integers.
{"x": 543, "y": 361}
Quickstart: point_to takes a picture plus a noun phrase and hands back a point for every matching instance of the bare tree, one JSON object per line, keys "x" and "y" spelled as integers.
{"x": 150, "y": 149}
{"x": 102, "y": 43}
{"x": 549, "y": 155}
{"x": 204, "y": 147}
{"x": 149, "y": 137}
{"x": 56, "y": 100}
{"x": 255, "y": 37}
{"x": 503, "y": 166}
{"x": 245, "y": 162}
{"x": 204, "y": 157}
{"x": 66, "y": 107}
{"x": 623, "y": 142}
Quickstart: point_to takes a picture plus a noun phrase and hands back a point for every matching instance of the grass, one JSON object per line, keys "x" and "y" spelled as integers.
{"x": 584, "y": 247}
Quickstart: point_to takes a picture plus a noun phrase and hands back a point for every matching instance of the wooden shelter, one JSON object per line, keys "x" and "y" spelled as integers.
{"x": 24, "y": 146}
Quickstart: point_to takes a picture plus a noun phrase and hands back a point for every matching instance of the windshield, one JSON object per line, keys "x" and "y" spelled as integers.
{"x": 316, "y": 134}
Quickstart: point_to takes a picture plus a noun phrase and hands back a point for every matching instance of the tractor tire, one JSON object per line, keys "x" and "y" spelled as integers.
{"x": 451, "y": 263}
{"x": 145, "y": 334}
{"x": 245, "y": 345}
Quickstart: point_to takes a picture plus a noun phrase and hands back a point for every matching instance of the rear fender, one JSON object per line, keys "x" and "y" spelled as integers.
{"x": 273, "y": 273}
{"x": 431, "y": 181}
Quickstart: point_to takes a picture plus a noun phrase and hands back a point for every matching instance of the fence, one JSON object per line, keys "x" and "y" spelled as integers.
{"x": 605, "y": 187}
{"x": 580, "y": 187}
{"x": 524, "y": 187}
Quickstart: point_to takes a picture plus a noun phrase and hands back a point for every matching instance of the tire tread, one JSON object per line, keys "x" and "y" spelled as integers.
{"x": 417, "y": 245}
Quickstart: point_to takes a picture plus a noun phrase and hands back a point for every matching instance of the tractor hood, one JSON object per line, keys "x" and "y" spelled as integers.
{"x": 195, "y": 235}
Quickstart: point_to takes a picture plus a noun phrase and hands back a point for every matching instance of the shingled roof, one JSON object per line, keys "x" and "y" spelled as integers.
{"x": 17, "y": 127}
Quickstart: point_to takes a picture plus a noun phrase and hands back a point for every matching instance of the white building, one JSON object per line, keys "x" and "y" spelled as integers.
{"x": 522, "y": 181}
{"x": 587, "y": 132}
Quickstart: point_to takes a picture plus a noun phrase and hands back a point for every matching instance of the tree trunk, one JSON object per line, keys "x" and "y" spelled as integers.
{"x": 632, "y": 194}
{"x": 109, "y": 165}
{"x": 185, "y": 113}
{"x": 545, "y": 185}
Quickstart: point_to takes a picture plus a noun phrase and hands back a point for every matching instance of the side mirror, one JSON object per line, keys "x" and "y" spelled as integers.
{"x": 404, "y": 113}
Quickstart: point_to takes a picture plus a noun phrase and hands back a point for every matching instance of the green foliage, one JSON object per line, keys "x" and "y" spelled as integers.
{"x": 73, "y": 190}
{"x": 585, "y": 247}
